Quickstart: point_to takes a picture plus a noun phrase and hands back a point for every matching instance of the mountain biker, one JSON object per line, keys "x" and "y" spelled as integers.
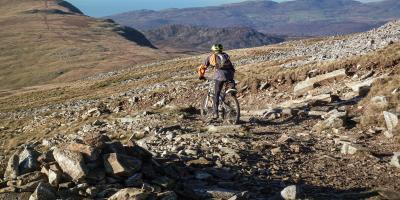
{"x": 224, "y": 72}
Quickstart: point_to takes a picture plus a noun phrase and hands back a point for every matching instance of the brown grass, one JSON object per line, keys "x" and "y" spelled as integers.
{"x": 372, "y": 114}
{"x": 271, "y": 72}
{"x": 40, "y": 48}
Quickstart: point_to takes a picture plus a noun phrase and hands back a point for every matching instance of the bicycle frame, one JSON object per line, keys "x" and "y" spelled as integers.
{"x": 211, "y": 89}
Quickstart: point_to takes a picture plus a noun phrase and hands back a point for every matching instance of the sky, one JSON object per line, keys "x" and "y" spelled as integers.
{"x": 101, "y": 8}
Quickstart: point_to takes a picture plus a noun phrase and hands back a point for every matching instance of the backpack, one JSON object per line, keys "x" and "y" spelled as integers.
{"x": 215, "y": 57}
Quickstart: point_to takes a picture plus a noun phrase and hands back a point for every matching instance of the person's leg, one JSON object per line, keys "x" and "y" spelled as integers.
{"x": 217, "y": 90}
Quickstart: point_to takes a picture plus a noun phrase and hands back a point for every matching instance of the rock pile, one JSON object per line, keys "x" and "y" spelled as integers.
{"x": 93, "y": 168}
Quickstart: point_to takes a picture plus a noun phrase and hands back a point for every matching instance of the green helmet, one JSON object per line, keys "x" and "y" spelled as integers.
{"x": 217, "y": 47}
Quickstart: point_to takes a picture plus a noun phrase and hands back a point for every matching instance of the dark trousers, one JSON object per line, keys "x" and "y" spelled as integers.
{"x": 218, "y": 88}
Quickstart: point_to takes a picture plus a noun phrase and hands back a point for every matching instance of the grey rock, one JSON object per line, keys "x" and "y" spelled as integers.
{"x": 392, "y": 120}
{"x": 215, "y": 193}
{"x": 348, "y": 148}
{"x": 12, "y": 170}
{"x": 276, "y": 151}
{"x": 54, "y": 177}
{"x": 358, "y": 85}
{"x": 71, "y": 163}
{"x": 307, "y": 85}
{"x": 290, "y": 192}
{"x": 30, "y": 187}
{"x": 89, "y": 153}
{"x": 240, "y": 196}
{"x": 121, "y": 165}
{"x": 388, "y": 134}
{"x": 334, "y": 119}
{"x": 98, "y": 123}
{"x": 223, "y": 129}
{"x": 92, "y": 191}
{"x": 134, "y": 181}
{"x": 44, "y": 191}
{"x": 27, "y": 161}
{"x": 170, "y": 135}
{"x": 169, "y": 195}
{"x": 191, "y": 152}
{"x": 30, "y": 177}
{"x": 137, "y": 135}
{"x": 395, "y": 91}
{"x": 130, "y": 194}
{"x": 161, "y": 103}
{"x": 395, "y": 161}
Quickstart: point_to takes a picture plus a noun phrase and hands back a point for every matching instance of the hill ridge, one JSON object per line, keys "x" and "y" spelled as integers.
{"x": 63, "y": 44}
{"x": 196, "y": 38}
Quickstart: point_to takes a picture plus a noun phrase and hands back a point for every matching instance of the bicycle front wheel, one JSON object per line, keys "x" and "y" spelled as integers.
{"x": 207, "y": 106}
{"x": 231, "y": 109}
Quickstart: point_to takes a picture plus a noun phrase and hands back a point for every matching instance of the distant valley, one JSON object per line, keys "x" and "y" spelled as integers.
{"x": 293, "y": 18}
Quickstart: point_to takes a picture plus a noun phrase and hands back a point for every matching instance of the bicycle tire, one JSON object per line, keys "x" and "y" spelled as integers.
{"x": 234, "y": 117}
{"x": 206, "y": 106}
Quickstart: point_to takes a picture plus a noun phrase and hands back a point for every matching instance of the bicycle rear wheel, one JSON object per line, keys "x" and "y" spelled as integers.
{"x": 231, "y": 109}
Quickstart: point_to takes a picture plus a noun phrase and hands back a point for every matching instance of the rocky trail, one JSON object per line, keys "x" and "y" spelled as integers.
{"x": 333, "y": 134}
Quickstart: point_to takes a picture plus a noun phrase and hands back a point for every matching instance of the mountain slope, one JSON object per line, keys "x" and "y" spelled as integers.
{"x": 331, "y": 141}
{"x": 48, "y": 43}
{"x": 300, "y": 17}
{"x": 193, "y": 38}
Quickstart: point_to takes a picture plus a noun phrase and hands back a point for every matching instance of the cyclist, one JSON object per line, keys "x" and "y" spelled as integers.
{"x": 224, "y": 72}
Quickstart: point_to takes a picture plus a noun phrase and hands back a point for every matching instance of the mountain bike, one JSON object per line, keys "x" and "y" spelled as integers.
{"x": 229, "y": 108}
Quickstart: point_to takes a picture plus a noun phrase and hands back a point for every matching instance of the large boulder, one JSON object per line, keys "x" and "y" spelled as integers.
{"x": 71, "y": 163}
{"x": 309, "y": 84}
{"x": 89, "y": 153}
{"x": 27, "y": 161}
{"x": 121, "y": 165}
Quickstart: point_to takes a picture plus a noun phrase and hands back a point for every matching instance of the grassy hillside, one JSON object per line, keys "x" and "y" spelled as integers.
{"x": 51, "y": 42}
